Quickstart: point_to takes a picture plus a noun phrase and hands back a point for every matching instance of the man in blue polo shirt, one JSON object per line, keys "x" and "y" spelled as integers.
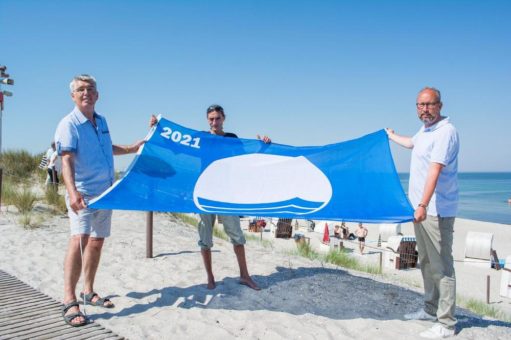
{"x": 83, "y": 141}
{"x": 433, "y": 191}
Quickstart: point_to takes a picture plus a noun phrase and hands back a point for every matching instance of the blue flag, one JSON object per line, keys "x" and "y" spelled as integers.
{"x": 184, "y": 170}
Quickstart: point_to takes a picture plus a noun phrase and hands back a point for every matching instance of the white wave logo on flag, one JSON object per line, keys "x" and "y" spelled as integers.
{"x": 261, "y": 182}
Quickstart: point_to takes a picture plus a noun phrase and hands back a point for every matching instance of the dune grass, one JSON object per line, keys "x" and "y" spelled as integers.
{"x": 8, "y": 192}
{"x": 305, "y": 250}
{"x": 258, "y": 239}
{"x": 220, "y": 233}
{"x": 186, "y": 218}
{"x": 339, "y": 258}
{"x": 19, "y": 165}
{"x": 482, "y": 308}
{"x": 54, "y": 199}
{"x": 25, "y": 220}
{"x": 342, "y": 259}
{"x": 24, "y": 200}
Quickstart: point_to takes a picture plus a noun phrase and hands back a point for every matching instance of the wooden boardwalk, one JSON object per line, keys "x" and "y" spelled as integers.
{"x": 26, "y": 313}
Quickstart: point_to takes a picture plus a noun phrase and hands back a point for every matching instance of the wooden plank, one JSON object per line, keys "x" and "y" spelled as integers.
{"x": 29, "y": 327}
{"x": 14, "y": 308}
{"x": 26, "y": 313}
{"x": 23, "y": 301}
{"x": 31, "y": 317}
{"x": 68, "y": 332}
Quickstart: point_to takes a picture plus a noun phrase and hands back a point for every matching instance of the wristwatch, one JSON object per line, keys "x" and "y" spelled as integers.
{"x": 423, "y": 206}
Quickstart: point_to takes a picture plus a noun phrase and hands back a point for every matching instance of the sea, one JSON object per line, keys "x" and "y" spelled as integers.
{"x": 483, "y": 195}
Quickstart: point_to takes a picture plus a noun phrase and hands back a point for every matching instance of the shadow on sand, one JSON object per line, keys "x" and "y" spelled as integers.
{"x": 331, "y": 293}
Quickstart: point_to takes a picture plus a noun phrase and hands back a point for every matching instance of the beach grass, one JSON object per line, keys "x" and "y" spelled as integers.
{"x": 481, "y": 308}
{"x": 19, "y": 165}
{"x": 258, "y": 239}
{"x": 24, "y": 200}
{"x": 217, "y": 232}
{"x": 220, "y": 233}
{"x": 26, "y": 220}
{"x": 186, "y": 218}
{"x": 8, "y": 192}
{"x": 343, "y": 259}
{"x": 54, "y": 199}
{"x": 305, "y": 250}
{"x": 339, "y": 258}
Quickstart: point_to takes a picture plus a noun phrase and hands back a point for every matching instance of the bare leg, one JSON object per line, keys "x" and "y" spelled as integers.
{"x": 92, "y": 256}
{"x": 245, "y": 278}
{"x": 72, "y": 270}
{"x": 206, "y": 257}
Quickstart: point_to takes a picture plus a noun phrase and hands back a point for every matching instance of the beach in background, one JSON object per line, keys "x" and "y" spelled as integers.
{"x": 483, "y": 195}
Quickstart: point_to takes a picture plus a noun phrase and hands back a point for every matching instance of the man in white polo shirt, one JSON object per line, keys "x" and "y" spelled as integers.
{"x": 433, "y": 191}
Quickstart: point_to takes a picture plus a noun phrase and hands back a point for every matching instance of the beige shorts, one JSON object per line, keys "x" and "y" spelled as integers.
{"x": 231, "y": 225}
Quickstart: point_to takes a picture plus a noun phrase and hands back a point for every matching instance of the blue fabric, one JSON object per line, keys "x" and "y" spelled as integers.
{"x": 184, "y": 170}
{"x": 92, "y": 147}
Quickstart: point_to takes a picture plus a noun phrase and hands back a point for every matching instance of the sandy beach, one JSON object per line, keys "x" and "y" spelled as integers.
{"x": 166, "y": 297}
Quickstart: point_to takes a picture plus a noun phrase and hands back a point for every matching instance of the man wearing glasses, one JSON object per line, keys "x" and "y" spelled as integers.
{"x": 83, "y": 141}
{"x": 433, "y": 191}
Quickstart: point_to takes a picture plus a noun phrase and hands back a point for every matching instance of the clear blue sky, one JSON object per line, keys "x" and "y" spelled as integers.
{"x": 302, "y": 72}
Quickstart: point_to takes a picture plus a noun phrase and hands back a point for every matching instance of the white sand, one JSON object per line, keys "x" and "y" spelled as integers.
{"x": 165, "y": 297}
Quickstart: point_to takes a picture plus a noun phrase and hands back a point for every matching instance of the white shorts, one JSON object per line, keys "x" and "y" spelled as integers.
{"x": 93, "y": 222}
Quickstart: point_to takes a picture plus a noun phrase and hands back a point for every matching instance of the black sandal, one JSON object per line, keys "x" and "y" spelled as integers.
{"x": 70, "y": 317}
{"x": 87, "y": 298}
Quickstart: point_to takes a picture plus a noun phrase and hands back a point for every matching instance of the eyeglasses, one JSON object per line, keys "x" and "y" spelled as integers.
{"x": 89, "y": 89}
{"x": 423, "y": 105}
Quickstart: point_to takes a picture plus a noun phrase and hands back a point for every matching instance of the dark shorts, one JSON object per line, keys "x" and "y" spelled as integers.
{"x": 362, "y": 239}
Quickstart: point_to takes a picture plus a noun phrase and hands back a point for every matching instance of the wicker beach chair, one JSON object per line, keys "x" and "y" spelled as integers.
{"x": 284, "y": 228}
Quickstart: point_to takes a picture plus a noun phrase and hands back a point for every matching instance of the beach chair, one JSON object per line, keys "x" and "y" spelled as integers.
{"x": 257, "y": 225}
{"x": 403, "y": 254}
{"x": 284, "y": 228}
{"x": 478, "y": 247}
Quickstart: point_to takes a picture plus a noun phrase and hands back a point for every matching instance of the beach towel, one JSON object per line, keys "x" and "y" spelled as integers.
{"x": 183, "y": 170}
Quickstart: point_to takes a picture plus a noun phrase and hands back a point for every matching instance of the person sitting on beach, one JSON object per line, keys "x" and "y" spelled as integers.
{"x": 337, "y": 232}
{"x": 361, "y": 233}
{"x": 345, "y": 231}
{"x": 433, "y": 191}
{"x": 215, "y": 116}
{"x": 83, "y": 141}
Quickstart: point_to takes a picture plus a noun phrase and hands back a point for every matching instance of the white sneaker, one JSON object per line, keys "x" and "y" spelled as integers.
{"x": 420, "y": 315}
{"x": 438, "y": 331}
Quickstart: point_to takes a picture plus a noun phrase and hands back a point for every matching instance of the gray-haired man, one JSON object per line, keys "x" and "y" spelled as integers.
{"x": 83, "y": 141}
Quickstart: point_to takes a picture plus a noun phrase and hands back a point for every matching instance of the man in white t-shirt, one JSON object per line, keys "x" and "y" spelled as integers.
{"x": 433, "y": 191}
